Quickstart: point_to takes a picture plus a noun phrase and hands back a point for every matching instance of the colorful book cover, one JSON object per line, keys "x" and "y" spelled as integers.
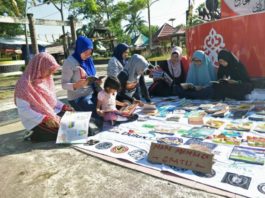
{"x": 73, "y": 127}
{"x": 260, "y": 128}
{"x": 214, "y": 123}
{"x": 228, "y": 137}
{"x": 256, "y": 141}
{"x": 257, "y": 117}
{"x": 194, "y": 141}
{"x": 199, "y": 132}
{"x": 248, "y": 154}
{"x": 239, "y": 126}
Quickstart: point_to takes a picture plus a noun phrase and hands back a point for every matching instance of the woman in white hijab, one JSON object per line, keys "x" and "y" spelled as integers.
{"x": 132, "y": 77}
{"x": 174, "y": 67}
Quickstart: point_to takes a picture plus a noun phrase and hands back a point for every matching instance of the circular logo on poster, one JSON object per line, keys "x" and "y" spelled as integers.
{"x": 261, "y": 188}
{"x": 119, "y": 149}
{"x": 103, "y": 145}
{"x": 137, "y": 154}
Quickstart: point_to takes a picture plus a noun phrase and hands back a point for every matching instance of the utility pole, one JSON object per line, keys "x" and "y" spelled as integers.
{"x": 26, "y": 35}
{"x": 172, "y": 21}
{"x": 188, "y": 14}
{"x": 33, "y": 36}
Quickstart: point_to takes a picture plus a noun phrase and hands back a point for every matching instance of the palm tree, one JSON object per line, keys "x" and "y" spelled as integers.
{"x": 135, "y": 21}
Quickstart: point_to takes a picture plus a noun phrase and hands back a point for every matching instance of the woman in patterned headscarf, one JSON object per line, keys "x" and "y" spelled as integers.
{"x": 35, "y": 98}
{"x": 117, "y": 62}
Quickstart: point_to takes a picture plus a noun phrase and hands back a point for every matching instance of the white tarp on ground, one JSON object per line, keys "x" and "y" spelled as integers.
{"x": 131, "y": 141}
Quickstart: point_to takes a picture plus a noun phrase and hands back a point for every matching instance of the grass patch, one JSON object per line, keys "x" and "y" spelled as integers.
{"x": 6, "y": 94}
{"x": 159, "y": 58}
{"x": 6, "y": 59}
{"x": 8, "y": 81}
{"x": 12, "y": 62}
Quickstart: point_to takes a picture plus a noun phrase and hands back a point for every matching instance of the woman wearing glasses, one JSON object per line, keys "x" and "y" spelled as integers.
{"x": 201, "y": 71}
{"x": 200, "y": 74}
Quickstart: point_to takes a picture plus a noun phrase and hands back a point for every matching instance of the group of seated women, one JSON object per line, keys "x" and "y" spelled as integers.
{"x": 40, "y": 111}
{"x": 204, "y": 80}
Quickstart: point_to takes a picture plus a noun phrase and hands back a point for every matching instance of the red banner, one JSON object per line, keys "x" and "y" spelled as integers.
{"x": 243, "y": 35}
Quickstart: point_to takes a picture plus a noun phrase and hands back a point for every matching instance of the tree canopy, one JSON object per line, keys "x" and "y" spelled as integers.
{"x": 14, "y": 8}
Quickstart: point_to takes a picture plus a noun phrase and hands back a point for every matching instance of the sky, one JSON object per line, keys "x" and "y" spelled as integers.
{"x": 161, "y": 11}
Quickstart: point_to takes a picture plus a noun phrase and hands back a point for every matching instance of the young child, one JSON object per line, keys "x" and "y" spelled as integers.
{"x": 106, "y": 104}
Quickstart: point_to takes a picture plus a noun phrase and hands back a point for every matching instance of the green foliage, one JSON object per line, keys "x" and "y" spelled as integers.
{"x": 145, "y": 30}
{"x": 12, "y": 7}
{"x": 7, "y": 30}
{"x": 135, "y": 22}
{"x": 15, "y": 9}
{"x": 109, "y": 13}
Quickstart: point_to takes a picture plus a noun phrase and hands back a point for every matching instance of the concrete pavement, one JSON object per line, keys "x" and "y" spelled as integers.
{"x": 49, "y": 170}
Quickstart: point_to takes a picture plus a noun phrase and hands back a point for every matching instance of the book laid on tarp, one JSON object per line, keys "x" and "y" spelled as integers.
{"x": 248, "y": 154}
{"x": 260, "y": 128}
{"x": 73, "y": 127}
{"x": 149, "y": 109}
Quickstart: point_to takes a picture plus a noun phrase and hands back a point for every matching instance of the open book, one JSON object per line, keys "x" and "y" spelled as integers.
{"x": 74, "y": 127}
{"x": 221, "y": 81}
{"x": 91, "y": 79}
{"x": 128, "y": 110}
{"x": 188, "y": 86}
{"x": 161, "y": 75}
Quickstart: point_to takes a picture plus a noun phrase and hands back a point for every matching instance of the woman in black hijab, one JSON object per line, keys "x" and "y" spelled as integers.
{"x": 234, "y": 81}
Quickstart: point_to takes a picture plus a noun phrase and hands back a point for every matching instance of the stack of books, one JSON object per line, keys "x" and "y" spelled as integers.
{"x": 149, "y": 109}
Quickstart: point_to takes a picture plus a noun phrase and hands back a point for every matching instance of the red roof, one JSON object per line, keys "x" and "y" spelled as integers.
{"x": 165, "y": 32}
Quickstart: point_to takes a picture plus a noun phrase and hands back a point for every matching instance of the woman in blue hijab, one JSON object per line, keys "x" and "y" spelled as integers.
{"x": 198, "y": 83}
{"x": 83, "y": 44}
{"x": 76, "y": 69}
{"x": 201, "y": 70}
{"x": 117, "y": 62}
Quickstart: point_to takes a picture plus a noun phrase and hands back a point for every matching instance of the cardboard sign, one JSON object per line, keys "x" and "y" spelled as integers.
{"x": 181, "y": 157}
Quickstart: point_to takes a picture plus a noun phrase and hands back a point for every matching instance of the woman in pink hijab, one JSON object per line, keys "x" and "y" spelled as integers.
{"x": 38, "y": 107}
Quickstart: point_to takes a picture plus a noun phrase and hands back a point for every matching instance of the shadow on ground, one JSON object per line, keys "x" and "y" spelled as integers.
{"x": 14, "y": 143}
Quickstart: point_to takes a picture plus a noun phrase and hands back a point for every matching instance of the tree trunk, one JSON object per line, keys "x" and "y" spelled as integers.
{"x": 65, "y": 48}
